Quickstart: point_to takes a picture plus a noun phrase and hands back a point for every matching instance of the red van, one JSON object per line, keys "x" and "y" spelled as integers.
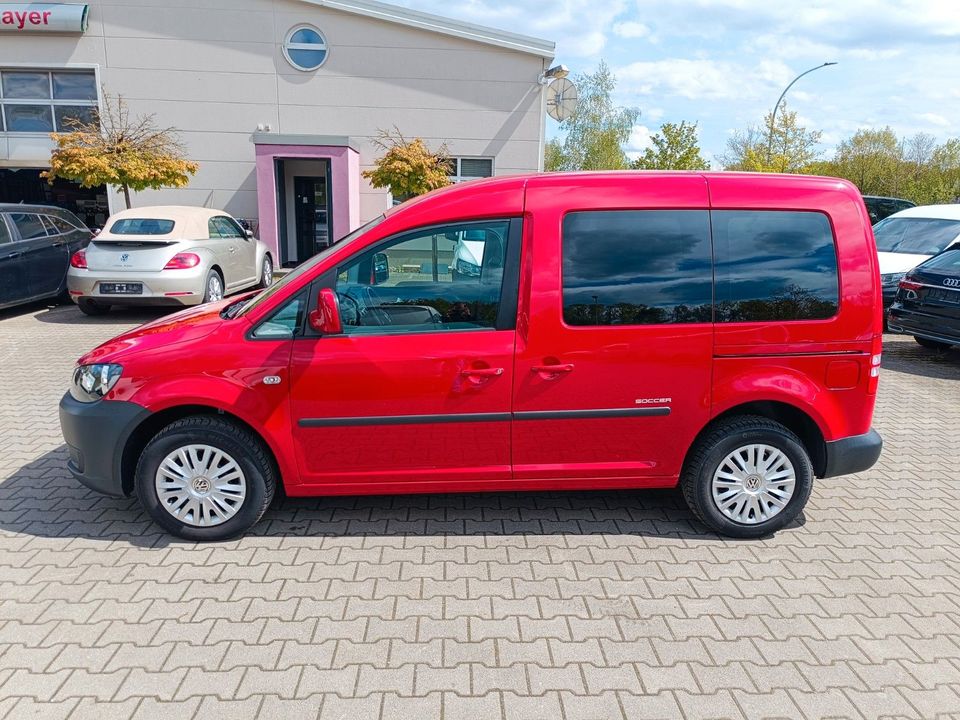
{"x": 718, "y": 331}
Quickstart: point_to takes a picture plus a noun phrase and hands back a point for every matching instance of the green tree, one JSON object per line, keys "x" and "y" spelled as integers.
{"x": 675, "y": 147}
{"x": 596, "y": 134}
{"x": 112, "y": 148}
{"x": 783, "y": 146}
{"x": 872, "y": 160}
{"x": 407, "y": 168}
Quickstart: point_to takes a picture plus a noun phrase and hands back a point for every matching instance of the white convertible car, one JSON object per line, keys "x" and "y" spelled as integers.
{"x": 167, "y": 256}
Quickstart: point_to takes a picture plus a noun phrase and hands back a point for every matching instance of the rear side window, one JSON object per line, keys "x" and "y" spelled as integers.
{"x": 30, "y": 226}
{"x": 4, "y": 232}
{"x": 637, "y": 267}
{"x": 774, "y": 265}
{"x": 142, "y": 226}
{"x": 948, "y": 261}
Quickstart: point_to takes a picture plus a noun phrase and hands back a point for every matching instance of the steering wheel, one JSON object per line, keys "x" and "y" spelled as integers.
{"x": 350, "y": 315}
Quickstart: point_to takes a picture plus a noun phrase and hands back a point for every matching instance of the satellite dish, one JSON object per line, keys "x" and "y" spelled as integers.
{"x": 561, "y": 99}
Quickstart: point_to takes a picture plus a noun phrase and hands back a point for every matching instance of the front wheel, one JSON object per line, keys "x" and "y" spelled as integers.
{"x": 747, "y": 477}
{"x": 205, "y": 478}
{"x": 266, "y": 272}
{"x": 931, "y": 344}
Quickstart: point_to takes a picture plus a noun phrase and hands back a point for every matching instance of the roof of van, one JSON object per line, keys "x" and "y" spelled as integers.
{"x": 504, "y": 182}
{"x": 937, "y": 212}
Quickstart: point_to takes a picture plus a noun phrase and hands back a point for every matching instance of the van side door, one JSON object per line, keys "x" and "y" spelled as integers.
{"x": 615, "y": 336}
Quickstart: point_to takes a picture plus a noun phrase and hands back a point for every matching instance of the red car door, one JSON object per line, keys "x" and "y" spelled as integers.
{"x": 417, "y": 389}
{"x": 614, "y": 347}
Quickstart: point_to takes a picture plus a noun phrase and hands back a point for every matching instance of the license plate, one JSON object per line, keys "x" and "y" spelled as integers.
{"x": 121, "y": 288}
{"x": 947, "y": 296}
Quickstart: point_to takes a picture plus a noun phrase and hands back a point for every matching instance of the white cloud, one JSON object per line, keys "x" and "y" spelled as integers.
{"x": 639, "y": 141}
{"x": 631, "y": 29}
{"x": 934, "y": 119}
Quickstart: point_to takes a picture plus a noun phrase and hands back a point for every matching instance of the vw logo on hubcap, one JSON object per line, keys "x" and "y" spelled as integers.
{"x": 201, "y": 485}
{"x": 752, "y": 482}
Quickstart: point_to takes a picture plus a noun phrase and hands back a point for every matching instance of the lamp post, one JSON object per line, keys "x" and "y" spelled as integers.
{"x": 773, "y": 116}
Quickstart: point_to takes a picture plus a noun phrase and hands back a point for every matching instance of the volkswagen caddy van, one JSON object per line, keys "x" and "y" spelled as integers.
{"x": 720, "y": 332}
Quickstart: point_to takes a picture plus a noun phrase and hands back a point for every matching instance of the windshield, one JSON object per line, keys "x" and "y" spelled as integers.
{"x": 142, "y": 226}
{"x": 916, "y": 236}
{"x": 948, "y": 262}
{"x": 305, "y": 267}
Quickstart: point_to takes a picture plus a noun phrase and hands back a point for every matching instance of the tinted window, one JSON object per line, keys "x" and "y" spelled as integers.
{"x": 62, "y": 225}
{"x": 636, "y": 267}
{"x": 4, "y": 232}
{"x": 142, "y": 226}
{"x": 446, "y": 278}
{"x": 30, "y": 226}
{"x": 948, "y": 262}
{"x": 774, "y": 266}
{"x": 914, "y": 235}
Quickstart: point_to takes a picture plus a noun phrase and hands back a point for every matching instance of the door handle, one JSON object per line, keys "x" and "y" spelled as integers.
{"x": 482, "y": 372}
{"x": 552, "y": 369}
{"x": 12, "y": 255}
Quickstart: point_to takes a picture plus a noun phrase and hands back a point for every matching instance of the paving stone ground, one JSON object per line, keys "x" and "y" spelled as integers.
{"x": 509, "y": 605}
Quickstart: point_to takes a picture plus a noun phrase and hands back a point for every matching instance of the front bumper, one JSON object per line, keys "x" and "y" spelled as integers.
{"x": 167, "y": 287}
{"x": 96, "y": 434}
{"x": 853, "y": 454}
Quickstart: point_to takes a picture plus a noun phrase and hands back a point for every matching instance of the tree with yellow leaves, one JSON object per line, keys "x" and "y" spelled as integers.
{"x": 408, "y": 168}
{"x": 115, "y": 149}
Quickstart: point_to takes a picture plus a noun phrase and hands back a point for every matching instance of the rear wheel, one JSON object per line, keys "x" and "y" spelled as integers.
{"x": 92, "y": 307}
{"x": 205, "y": 478}
{"x": 747, "y": 477}
{"x": 931, "y": 344}
{"x": 213, "y": 287}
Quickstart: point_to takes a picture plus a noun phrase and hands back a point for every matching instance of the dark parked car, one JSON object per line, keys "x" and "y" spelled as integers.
{"x": 883, "y": 207}
{"x": 36, "y": 243}
{"x": 928, "y": 302}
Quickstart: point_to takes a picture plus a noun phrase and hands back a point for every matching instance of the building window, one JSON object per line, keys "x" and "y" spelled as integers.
{"x": 39, "y": 101}
{"x": 305, "y": 48}
{"x": 462, "y": 169}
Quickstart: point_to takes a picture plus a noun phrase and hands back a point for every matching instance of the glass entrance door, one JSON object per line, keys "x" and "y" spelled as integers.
{"x": 311, "y": 199}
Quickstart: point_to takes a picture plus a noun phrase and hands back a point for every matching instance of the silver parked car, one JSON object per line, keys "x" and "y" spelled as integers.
{"x": 167, "y": 256}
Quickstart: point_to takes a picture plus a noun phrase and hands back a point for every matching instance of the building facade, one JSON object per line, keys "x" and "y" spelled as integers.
{"x": 277, "y": 100}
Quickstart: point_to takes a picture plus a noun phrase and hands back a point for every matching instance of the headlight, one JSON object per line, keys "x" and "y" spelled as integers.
{"x": 891, "y": 278}
{"x": 92, "y": 382}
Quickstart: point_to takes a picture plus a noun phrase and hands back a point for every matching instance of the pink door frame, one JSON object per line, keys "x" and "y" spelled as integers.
{"x": 344, "y": 187}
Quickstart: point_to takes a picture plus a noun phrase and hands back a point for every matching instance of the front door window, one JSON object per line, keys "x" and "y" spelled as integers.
{"x": 440, "y": 279}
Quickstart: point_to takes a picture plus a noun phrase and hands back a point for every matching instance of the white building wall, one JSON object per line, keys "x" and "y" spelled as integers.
{"x": 217, "y": 72}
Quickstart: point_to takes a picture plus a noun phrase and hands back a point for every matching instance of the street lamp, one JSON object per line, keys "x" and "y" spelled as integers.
{"x": 773, "y": 116}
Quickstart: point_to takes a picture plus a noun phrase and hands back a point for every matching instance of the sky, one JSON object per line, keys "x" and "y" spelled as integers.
{"x": 724, "y": 63}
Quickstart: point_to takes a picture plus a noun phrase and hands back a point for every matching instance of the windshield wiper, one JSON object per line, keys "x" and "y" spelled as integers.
{"x": 232, "y": 309}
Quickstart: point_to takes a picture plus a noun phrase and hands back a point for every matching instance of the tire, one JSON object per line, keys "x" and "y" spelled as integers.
{"x": 931, "y": 344}
{"x": 266, "y": 272}
{"x": 247, "y": 485}
{"x": 718, "y": 452}
{"x": 213, "y": 288}
{"x": 92, "y": 307}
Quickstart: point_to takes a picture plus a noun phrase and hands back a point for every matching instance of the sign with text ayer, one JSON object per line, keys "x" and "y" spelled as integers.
{"x": 43, "y": 17}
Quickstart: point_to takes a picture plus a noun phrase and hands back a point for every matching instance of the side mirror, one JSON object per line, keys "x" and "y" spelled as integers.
{"x": 381, "y": 269}
{"x": 248, "y": 233}
{"x": 326, "y": 318}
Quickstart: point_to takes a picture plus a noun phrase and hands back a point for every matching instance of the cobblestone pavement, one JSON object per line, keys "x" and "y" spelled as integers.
{"x": 585, "y": 605}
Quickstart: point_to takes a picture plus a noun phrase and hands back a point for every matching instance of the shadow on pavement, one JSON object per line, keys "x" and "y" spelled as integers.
{"x": 42, "y": 500}
{"x": 901, "y": 354}
{"x": 69, "y": 314}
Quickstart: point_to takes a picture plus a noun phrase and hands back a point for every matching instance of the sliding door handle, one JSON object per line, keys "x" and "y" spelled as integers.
{"x": 482, "y": 372}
